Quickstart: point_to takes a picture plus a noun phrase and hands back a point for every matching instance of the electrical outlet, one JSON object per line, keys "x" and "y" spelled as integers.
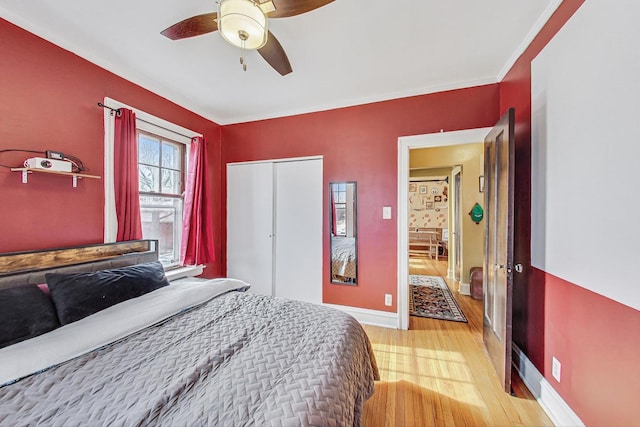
{"x": 556, "y": 368}
{"x": 388, "y": 300}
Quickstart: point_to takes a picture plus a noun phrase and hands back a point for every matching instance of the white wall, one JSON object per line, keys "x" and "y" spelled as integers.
{"x": 586, "y": 151}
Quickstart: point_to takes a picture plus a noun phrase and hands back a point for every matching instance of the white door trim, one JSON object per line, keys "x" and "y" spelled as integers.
{"x": 456, "y": 220}
{"x": 405, "y": 144}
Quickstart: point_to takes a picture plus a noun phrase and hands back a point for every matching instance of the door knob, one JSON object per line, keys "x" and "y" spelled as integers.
{"x": 519, "y": 268}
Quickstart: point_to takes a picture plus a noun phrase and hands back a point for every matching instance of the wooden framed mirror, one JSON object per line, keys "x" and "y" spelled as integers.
{"x": 344, "y": 236}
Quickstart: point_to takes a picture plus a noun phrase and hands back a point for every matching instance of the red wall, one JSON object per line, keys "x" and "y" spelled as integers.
{"x": 594, "y": 337}
{"x": 48, "y": 100}
{"x": 361, "y": 144}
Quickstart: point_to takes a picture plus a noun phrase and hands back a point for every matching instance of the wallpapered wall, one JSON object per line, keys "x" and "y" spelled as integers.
{"x": 429, "y": 204}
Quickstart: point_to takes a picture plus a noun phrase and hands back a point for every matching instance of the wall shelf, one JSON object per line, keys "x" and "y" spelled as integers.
{"x": 73, "y": 175}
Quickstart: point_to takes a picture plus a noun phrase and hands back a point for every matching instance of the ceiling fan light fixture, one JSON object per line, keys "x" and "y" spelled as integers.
{"x": 242, "y": 23}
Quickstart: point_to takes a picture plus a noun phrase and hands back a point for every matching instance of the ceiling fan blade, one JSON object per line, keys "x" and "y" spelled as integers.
{"x": 286, "y": 8}
{"x": 191, "y": 27}
{"x": 274, "y": 54}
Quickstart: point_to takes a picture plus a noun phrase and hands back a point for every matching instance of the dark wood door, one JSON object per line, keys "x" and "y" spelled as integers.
{"x": 499, "y": 149}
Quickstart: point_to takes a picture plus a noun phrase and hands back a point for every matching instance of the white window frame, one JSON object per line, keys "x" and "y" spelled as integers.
{"x": 145, "y": 122}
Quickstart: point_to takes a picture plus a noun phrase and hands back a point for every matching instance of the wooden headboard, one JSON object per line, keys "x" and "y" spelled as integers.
{"x": 22, "y": 268}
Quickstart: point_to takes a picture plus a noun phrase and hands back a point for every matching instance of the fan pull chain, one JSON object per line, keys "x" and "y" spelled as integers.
{"x": 244, "y": 66}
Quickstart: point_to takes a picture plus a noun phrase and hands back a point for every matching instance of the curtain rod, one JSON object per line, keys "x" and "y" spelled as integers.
{"x": 113, "y": 110}
{"x": 119, "y": 113}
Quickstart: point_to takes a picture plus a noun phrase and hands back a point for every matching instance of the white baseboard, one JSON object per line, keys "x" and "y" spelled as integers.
{"x": 370, "y": 317}
{"x": 465, "y": 288}
{"x": 556, "y": 408}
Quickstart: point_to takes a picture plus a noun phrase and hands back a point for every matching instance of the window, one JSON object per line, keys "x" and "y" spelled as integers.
{"x": 163, "y": 149}
{"x": 161, "y": 174}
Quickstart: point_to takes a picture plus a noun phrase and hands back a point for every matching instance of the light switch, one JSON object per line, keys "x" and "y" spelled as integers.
{"x": 386, "y": 212}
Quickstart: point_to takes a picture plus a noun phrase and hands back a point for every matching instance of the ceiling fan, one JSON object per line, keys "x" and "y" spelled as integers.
{"x": 243, "y": 23}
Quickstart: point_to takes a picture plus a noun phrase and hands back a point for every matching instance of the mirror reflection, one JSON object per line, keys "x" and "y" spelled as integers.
{"x": 344, "y": 265}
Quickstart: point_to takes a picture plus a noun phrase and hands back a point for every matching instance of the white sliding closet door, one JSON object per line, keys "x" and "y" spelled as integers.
{"x": 298, "y": 230}
{"x": 250, "y": 225}
{"x": 274, "y": 227}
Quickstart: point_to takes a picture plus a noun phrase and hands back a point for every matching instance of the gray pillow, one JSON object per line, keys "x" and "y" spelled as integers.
{"x": 79, "y": 295}
{"x": 25, "y": 312}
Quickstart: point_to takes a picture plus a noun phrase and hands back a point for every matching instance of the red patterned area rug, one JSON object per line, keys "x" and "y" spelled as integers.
{"x": 430, "y": 297}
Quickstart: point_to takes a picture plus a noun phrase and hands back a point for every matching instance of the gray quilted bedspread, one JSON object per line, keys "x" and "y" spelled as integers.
{"x": 240, "y": 359}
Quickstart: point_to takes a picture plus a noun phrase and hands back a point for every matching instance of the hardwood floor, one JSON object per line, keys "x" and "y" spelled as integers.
{"x": 438, "y": 373}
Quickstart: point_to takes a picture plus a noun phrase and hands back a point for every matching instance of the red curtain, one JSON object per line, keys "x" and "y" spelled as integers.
{"x": 197, "y": 225}
{"x": 125, "y": 169}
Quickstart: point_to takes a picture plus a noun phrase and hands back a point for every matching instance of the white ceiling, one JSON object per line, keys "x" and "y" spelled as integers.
{"x": 346, "y": 53}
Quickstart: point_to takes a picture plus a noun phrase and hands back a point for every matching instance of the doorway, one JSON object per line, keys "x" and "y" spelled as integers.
{"x": 405, "y": 144}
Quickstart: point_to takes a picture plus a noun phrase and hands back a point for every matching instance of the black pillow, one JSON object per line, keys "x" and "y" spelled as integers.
{"x": 79, "y": 295}
{"x": 25, "y": 312}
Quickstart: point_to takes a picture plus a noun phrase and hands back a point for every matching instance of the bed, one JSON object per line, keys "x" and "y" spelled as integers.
{"x": 190, "y": 352}
{"x": 343, "y": 259}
